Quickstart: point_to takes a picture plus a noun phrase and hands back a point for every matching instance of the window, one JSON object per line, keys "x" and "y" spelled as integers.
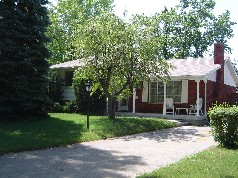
{"x": 173, "y": 90}
{"x": 69, "y": 78}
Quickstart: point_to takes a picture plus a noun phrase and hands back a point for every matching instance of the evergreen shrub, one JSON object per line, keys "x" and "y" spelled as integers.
{"x": 23, "y": 59}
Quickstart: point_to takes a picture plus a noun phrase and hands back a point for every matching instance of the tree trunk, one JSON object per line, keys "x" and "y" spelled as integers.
{"x": 111, "y": 107}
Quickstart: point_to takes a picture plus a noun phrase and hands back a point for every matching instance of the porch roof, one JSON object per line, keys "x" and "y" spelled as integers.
{"x": 193, "y": 68}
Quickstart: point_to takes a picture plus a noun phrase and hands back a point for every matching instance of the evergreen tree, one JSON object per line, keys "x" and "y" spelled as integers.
{"x": 23, "y": 64}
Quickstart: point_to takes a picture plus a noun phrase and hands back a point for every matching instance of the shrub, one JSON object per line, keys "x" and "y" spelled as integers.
{"x": 56, "y": 85}
{"x": 70, "y": 107}
{"x": 97, "y": 99}
{"x": 56, "y": 107}
{"x": 224, "y": 124}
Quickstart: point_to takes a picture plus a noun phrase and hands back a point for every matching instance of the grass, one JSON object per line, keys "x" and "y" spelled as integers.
{"x": 214, "y": 162}
{"x": 63, "y": 129}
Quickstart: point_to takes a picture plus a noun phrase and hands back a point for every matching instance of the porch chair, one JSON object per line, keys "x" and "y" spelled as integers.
{"x": 193, "y": 108}
{"x": 169, "y": 106}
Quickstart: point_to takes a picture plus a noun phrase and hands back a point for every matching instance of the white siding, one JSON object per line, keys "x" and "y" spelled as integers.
{"x": 184, "y": 94}
{"x": 68, "y": 93}
{"x": 228, "y": 79}
{"x": 212, "y": 77}
{"x": 145, "y": 92}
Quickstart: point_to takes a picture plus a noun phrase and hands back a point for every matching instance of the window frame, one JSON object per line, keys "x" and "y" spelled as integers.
{"x": 161, "y": 91}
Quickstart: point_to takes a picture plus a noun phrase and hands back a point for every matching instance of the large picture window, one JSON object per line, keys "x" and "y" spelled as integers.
{"x": 173, "y": 90}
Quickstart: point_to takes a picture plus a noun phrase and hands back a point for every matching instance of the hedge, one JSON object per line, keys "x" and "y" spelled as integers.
{"x": 224, "y": 124}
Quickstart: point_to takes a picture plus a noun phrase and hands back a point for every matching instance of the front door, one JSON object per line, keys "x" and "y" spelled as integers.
{"x": 123, "y": 104}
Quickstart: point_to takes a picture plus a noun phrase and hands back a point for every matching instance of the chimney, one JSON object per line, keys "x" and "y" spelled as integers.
{"x": 219, "y": 59}
{"x": 219, "y": 54}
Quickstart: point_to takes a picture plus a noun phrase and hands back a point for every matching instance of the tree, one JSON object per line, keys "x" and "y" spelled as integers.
{"x": 165, "y": 31}
{"x": 66, "y": 20}
{"x": 118, "y": 55}
{"x": 23, "y": 64}
{"x": 189, "y": 29}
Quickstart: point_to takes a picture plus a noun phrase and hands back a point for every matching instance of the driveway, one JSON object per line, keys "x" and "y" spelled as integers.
{"x": 121, "y": 157}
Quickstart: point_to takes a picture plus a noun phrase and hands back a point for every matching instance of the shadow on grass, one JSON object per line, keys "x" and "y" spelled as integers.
{"x": 37, "y": 134}
{"x": 128, "y": 126}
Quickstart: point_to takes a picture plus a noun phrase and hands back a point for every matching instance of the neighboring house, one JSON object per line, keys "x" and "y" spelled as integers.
{"x": 212, "y": 79}
{"x": 66, "y": 71}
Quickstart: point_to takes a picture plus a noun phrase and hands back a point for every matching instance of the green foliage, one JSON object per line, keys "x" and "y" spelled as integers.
{"x": 56, "y": 84}
{"x": 66, "y": 18}
{"x": 63, "y": 129}
{"x": 224, "y": 123}
{"x": 23, "y": 64}
{"x": 97, "y": 99}
{"x": 70, "y": 107}
{"x": 122, "y": 54}
{"x": 189, "y": 29}
{"x": 214, "y": 162}
{"x": 56, "y": 107}
{"x": 118, "y": 55}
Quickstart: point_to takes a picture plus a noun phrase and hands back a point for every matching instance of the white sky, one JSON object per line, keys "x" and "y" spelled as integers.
{"x": 149, "y": 7}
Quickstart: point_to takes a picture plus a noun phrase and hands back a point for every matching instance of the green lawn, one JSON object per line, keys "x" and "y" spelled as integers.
{"x": 63, "y": 129}
{"x": 214, "y": 162}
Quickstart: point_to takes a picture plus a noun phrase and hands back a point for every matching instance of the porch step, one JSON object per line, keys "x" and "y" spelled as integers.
{"x": 179, "y": 122}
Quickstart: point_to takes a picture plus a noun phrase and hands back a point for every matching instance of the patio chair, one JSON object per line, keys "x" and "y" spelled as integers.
{"x": 169, "y": 106}
{"x": 193, "y": 108}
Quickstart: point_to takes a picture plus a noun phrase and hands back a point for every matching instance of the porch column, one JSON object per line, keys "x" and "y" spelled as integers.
{"x": 134, "y": 100}
{"x": 198, "y": 81}
{"x": 164, "y": 107}
{"x": 205, "y": 97}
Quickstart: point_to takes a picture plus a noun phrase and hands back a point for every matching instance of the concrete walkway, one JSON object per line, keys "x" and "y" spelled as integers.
{"x": 118, "y": 158}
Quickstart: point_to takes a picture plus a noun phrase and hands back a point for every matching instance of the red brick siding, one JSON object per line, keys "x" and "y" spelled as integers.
{"x": 192, "y": 91}
{"x": 213, "y": 95}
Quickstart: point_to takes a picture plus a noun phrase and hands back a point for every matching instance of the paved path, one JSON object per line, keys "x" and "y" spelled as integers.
{"x": 122, "y": 157}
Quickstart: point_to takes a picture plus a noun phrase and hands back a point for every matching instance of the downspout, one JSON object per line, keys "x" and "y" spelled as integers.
{"x": 197, "y": 114}
{"x": 134, "y": 100}
{"x": 205, "y": 97}
{"x": 164, "y": 108}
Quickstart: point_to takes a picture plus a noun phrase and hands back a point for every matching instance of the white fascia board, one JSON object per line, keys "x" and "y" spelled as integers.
{"x": 182, "y": 77}
{"x": 188, "y": 77}
{"x": 64, "y": 68}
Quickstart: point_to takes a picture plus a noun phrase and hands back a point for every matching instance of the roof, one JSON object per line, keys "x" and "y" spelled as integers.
{"x": 193, "y": 67}
{"x": 67, "y": 65}
{"x": 190, "y": 68}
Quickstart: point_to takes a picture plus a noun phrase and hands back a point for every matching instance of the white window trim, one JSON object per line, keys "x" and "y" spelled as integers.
{"x": 184, "y": 92}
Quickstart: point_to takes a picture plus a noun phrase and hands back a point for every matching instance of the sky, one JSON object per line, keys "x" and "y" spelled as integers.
{"x": 149, "y": 7}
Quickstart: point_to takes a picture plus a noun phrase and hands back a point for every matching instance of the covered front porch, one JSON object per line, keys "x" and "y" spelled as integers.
{"x": 192, "y": 94}
{"x": 190, "y": 119}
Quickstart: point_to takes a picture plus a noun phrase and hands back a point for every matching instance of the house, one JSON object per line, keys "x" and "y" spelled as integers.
{"x": 212, "y": 79}
{"x": 65, "y": 71}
